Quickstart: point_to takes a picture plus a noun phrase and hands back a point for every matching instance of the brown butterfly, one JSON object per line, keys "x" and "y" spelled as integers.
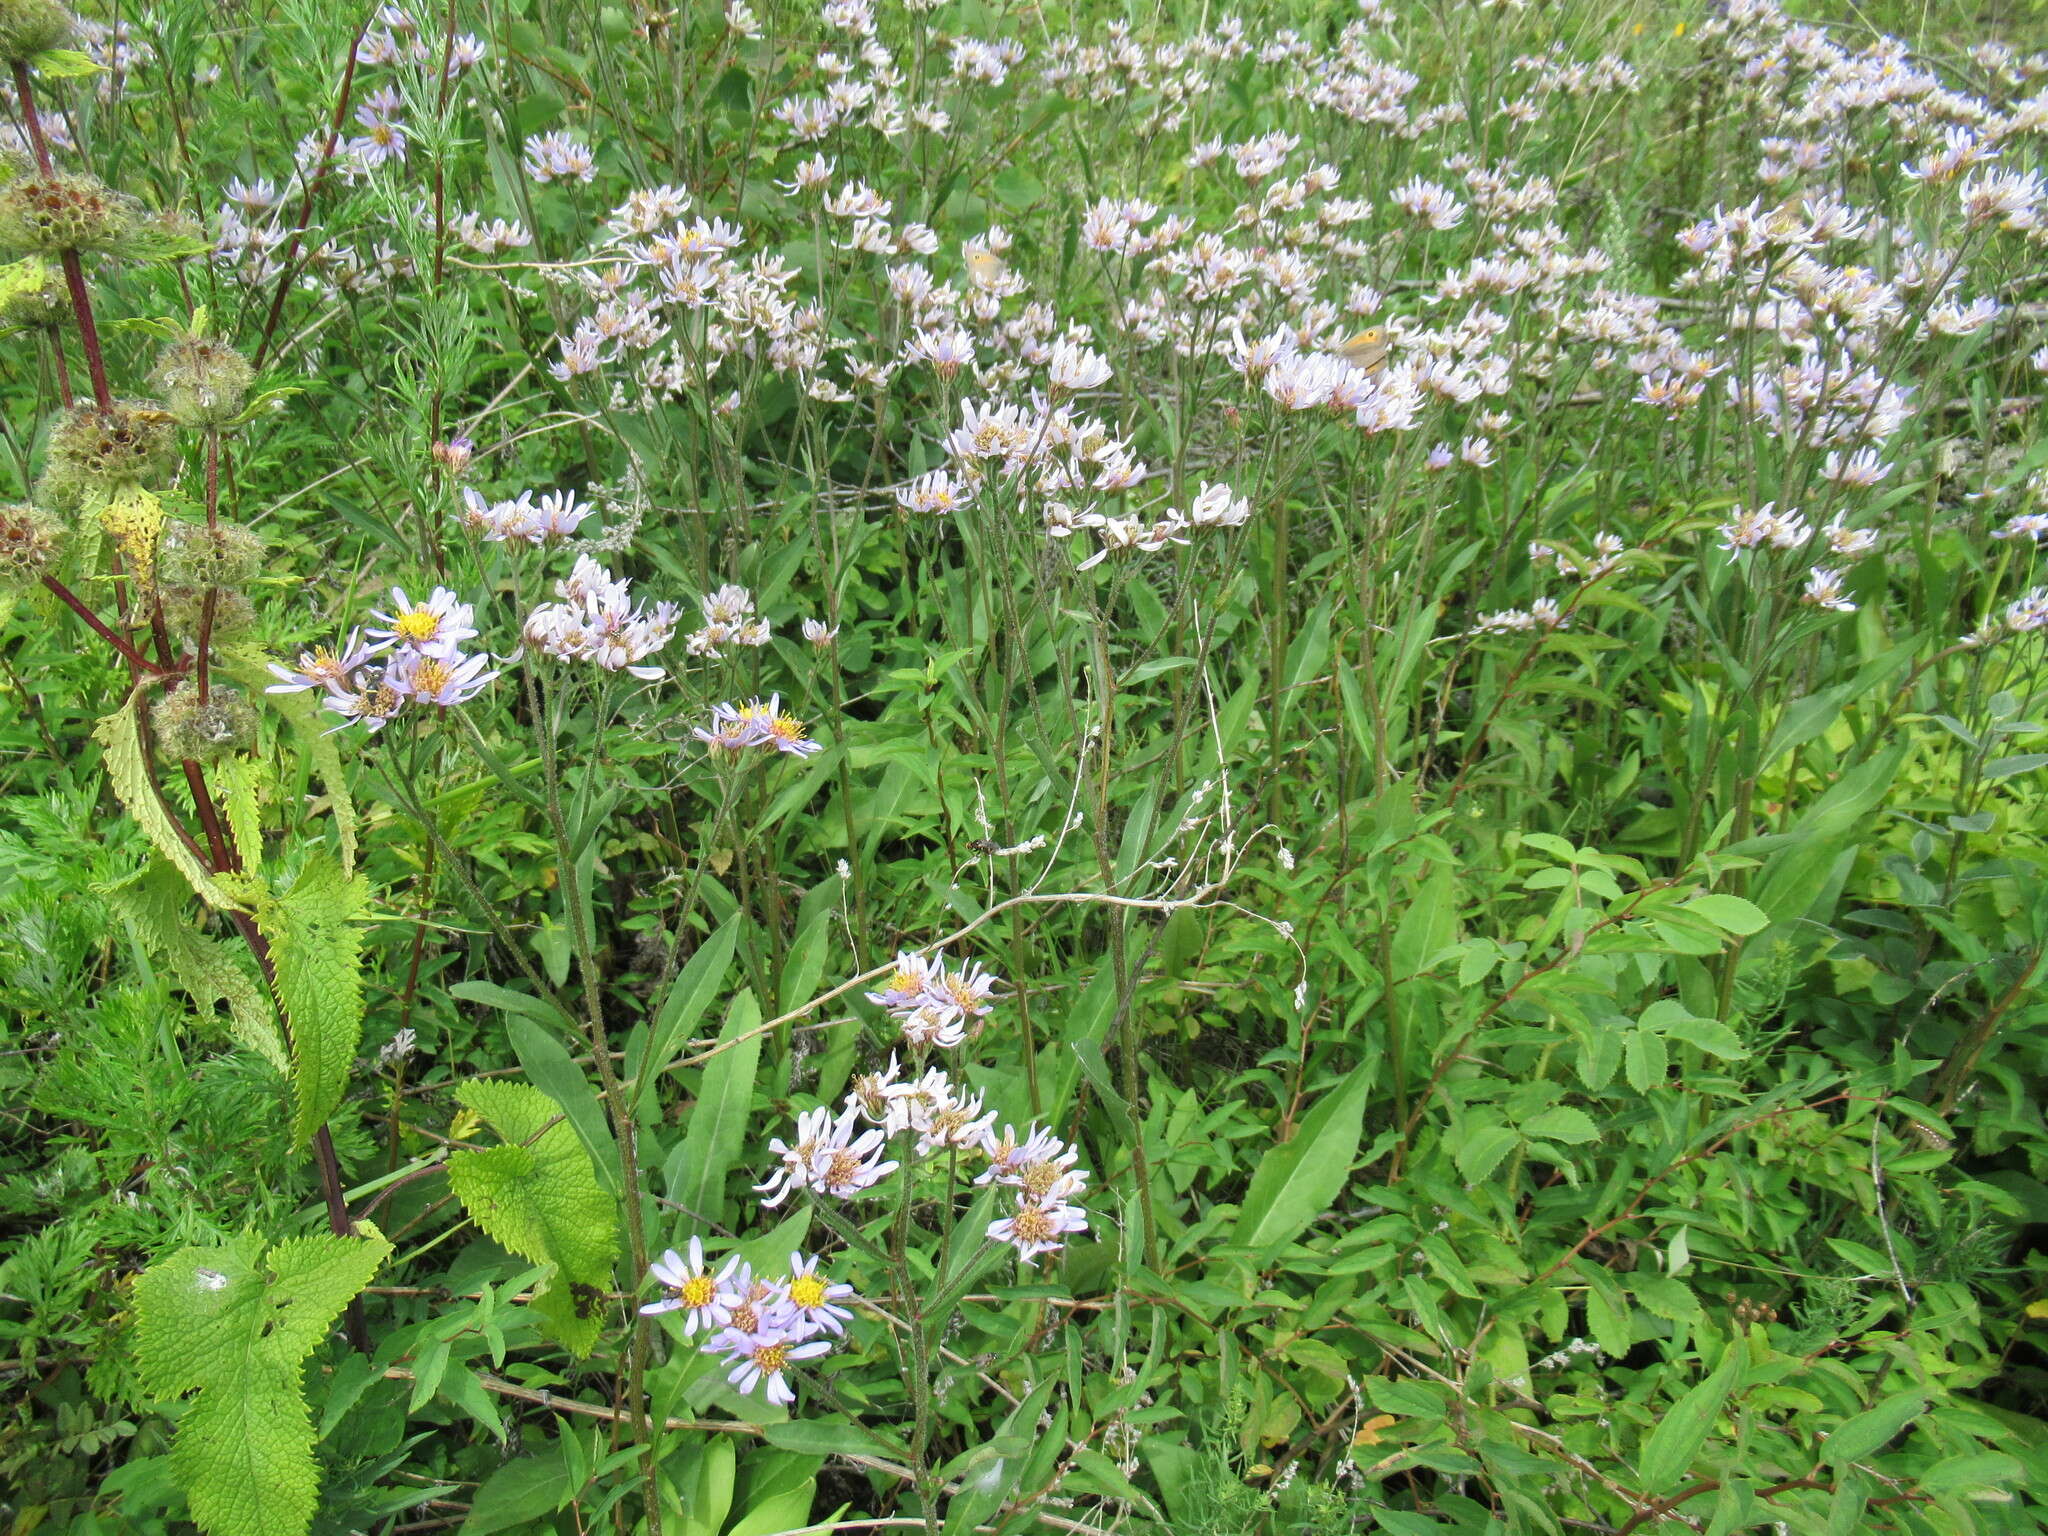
{"x": 1367, "y": 350}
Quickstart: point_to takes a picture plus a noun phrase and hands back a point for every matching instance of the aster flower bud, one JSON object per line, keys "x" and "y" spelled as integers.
{"x": 30, "y": 543}
{"x": 203, "y": 381}
{"x": 195, "y": 555}
{"x": 28, "y": 27}
{"x": 92, "y": 449}
{"x": 202, "y": 730}
{"x": 65, "y": 211}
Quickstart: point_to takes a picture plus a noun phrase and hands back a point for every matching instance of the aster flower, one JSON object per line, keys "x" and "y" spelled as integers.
{"x": 764, "y": 1357}
{"x": 1036, "y": 1227}
{"x": 443, "y": 679}
{"x": 812, "y": 1297}
{"x": 557, "y": 157}
{"x": 813, "y": 1130}
{"x": 1824, "y": 590}
{"x": 322, "y": 667}
{"x": 432, "y": 628}
{"x": 691, "y": 1287}
{"x": 850, "y": 1160}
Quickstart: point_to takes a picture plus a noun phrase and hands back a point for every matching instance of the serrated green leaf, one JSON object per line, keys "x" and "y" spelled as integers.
{"x": 120, "y": 734}
{"x": 234, "y": 1325}
{"x": 538, "y": 1196}
{"x": 154, "y": 904}
{"x": 1479, "y": 1153}
{"x": 64, "y": 63}
{"x": 317, "y": 952}
{"x": 1562, "y": 1123}
{"x": 1680, "y": 1433}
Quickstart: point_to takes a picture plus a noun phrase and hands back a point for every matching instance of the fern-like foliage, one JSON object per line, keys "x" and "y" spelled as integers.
{"x": 233, "y": 1325}
{"x": 538, "y": 1196}
{"x": 318, "y": 954}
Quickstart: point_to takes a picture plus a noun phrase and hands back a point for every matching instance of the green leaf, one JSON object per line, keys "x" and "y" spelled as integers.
{"x": 1299, "y": 1180}
{"x": 718, "y": 1120}
{"x": 154, "y": 903}
{"x": 1669, "y": 1451}
{"x": 538, "y": 1196}
{"x": 1562, "y": 1123}
{"x": 121, "y": 735}
{"x": 1480, "y": 1152}
{"x": 311, "y": 730}
{"x": 552, "y": 1070}
{"x": 1867, "y": 1433}
{"x": 1644, "y": 1060}
{"x": 316, "y": 950}
{"x": 234, "y": 1325}
{"x": 64, "y": 63}
{"x": 689, "y": 995}
{"x": 1730, "y": 914}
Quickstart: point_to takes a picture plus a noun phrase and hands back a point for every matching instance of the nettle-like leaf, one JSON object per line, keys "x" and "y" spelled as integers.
{"x": 318, "y": 953}
{"x": 234, "y": 1324}
{"x": 121, "y": 735}
{"x": 538, "y": 1196}
{"x": 154, "y": 903}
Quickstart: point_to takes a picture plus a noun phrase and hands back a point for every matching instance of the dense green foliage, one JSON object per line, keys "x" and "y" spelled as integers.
{"x": 1416, "y": 629}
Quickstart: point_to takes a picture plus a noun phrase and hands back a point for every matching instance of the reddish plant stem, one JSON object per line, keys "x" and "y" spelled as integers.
{"x": 128, "y": 653}
{"x": 313, "y": 185}
{"x": 74, "y": 271}
{"x": 30, "y": 123}
{"x": 88, "y": 333}
{"x": 63, "y": 368}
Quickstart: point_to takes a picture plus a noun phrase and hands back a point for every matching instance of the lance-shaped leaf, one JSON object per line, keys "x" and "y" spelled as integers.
{"x": 538, "y": 1196}
{"x": 121, "y": 735}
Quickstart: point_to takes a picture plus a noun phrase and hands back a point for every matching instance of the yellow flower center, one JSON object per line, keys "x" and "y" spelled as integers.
{"x": 771, "y": 1357}
{"x": 1033, "y": 1225}
{"x": 698, "y": 1291}
{"x": 430, "y": 676}
{"x": 807, "y": 1291}
{"x": 417, "y": 625}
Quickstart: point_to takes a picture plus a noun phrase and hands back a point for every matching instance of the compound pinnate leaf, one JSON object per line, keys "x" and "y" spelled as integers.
{"x": 234, "y": 1324}
{"x": 538, "y": 1196}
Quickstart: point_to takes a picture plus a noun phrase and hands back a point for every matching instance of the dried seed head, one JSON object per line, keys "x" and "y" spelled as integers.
{"x": 92, "y": 449}
{"x": 203, "y": 381}
{"x": 194, "y": 555}
{"x": 185, "y": 612}
{"x": 28, "y": 27}
{"x": 30, "y": 542}
{"x": 67, "y": 211}
{"x": 200, "y": 730}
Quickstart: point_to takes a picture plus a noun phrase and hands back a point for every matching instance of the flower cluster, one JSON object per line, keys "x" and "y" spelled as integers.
{"x": 933, "y": 1003}
{"x": 729, "y": 619}
{"x": 415, "y": 657}
{"x": 736, "y": 727}
{"x": 760, "y": 1324}
{"x": 598, "y": 621}
{"x": 555, "y": 517}
{"x": 832, "y": 1154}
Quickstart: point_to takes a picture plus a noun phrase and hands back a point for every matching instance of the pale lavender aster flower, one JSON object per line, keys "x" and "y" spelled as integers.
{"x": 692, "y": 1288}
